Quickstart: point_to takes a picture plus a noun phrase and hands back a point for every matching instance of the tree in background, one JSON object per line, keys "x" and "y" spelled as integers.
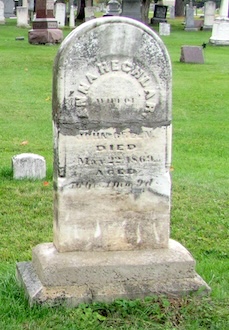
{"x": 145, "y": 10}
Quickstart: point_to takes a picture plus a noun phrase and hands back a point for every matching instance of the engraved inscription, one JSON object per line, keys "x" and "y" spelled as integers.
{"x": 110, "y": 162}
{"x": 117, "y": 86}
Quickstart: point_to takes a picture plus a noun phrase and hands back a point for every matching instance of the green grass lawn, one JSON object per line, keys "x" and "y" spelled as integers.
{"x": 199, "y": 220}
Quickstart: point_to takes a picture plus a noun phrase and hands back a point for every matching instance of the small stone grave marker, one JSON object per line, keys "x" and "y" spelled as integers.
{"x": 164, "y": 29}
{"x": 29, "y": 166}
{"x": 22, "y": 17}
{"x": 192, "y": 54}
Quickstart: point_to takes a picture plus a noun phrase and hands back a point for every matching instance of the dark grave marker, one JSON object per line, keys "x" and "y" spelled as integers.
{"x": 159, "y": 15}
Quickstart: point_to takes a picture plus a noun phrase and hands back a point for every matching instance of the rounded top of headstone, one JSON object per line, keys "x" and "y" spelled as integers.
{"x": 111, "y": 72}
{"x": 28, "y": 156}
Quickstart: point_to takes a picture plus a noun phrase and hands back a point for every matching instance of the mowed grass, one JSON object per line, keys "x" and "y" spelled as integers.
{"x": 199, "y": 217}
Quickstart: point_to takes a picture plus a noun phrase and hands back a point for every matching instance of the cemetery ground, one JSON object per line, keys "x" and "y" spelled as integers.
{"x": 199, "y": 195}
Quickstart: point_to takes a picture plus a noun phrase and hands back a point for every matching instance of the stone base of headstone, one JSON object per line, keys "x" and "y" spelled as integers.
{"x": 45, "y": 36}
{"x": 207, "y": 27}
{"x": 192, "y": 28}
{"x": 29, "y": 166}
{"x": 155, "y": 21}
{"x": 84, "y": 277}
{"x": 220, "y": 32}
{"x": 192, "y": 54}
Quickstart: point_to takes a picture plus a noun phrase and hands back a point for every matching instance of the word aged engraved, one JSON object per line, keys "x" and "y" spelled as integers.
{"x": 118, "y": 171}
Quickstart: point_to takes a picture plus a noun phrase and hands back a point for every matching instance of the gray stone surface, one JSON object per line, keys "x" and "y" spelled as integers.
{"x": 8, "y": 8}
{"x": 84, "y": 277}
{"x": 192, "y": 54}
{"x": 164, "y": 29}
{"x": 113, "y": 8}
{"x": 112, "y": 119}
{"x": 131, "y": 9}
{"x": 209, "y": 14}
{"x": 2, "y": 17}
{"x": 189, "y": 19}
{"x": 29, "y": 166}
{"x": 112, "y": 187}
{"x": 22, "y": 17}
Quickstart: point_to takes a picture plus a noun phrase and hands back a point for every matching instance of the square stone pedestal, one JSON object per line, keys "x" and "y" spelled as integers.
{"x": 45, "y": 36}
{"x": 84, "y": 277}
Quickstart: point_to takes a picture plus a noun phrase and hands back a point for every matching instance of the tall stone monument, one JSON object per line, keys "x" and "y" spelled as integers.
{"x": 189, "y": 19}
{"x": 220, "y": 30}
{"x": 209, "y": 14}
{"x": 45, "y": 28}
{"x": 112, "y": 188}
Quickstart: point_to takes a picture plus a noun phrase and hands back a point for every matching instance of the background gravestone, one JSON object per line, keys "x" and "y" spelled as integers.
{"x": 9, "y": 8}
{"x": 60, "y": 10}
{"x": 22, "y": 17}
{"x": 189, "y": 19}
{"x": 209, "y": 14}
{"x": 45, "y": 28}
{"x": 29, "y": 166}
{"x": 159, "y": 15}
{"x": 192, "y": 54}
{"x": 132, "y": 9}
{"x": 220, "y": 30}
{"x": 2, "y": 17}
{"x": 112, "y": 187}
{"x": 164, "y": 29}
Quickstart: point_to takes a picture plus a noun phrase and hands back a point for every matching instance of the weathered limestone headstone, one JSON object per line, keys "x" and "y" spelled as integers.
{"x": 159, "y": 15}
{"x": 220, "y": 30}
{"x": 29, "y": 166}
{"x": 60, "y": 10}
{"x": 22, "y": 17}
{"x": 192, "y": 54}
{"x": 112, "y": 153}
{"x": 2, "y": 17}
{"x": 45, "y": 28}
{"x": 189, "y": 19}
{"x": 209, "y": 14}
{"x": 164, "y": 29}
